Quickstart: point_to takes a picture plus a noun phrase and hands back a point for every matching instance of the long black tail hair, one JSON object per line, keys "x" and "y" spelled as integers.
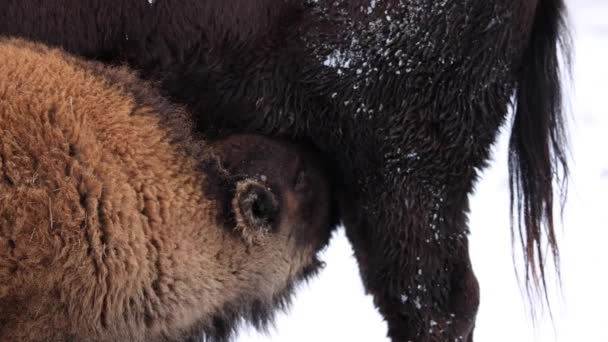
{"x": 537, "y": 152}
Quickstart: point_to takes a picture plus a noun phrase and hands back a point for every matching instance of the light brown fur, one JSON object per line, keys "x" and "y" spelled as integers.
{"x": 107, "y": 231}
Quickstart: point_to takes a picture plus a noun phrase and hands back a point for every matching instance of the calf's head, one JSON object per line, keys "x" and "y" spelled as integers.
{"x": 277, "y": 187}
{"x": 273, "y": 203}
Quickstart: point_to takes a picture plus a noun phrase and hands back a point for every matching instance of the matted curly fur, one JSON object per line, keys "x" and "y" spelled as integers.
{"x": 109, "y": 231}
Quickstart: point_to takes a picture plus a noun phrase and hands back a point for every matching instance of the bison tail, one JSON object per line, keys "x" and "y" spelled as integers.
{"x": 537, "y": 147}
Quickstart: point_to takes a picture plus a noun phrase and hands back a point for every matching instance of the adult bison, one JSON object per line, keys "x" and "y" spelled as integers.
{"x": 117, "y": 225}
{"x": 403, "y": 98}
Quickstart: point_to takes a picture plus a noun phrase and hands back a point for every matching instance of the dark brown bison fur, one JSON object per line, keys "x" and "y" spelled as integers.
{"x": 117, "y": 225}
{"x": 403, "y": 98}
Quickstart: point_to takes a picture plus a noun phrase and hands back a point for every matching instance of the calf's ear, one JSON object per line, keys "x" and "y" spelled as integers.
{"x": 256, "y": 210}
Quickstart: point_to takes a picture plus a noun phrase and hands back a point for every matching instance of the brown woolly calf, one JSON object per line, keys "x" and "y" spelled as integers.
{"x": 116, "y": 224}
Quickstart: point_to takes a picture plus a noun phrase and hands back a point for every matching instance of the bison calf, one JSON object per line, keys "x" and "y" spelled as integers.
{"x": 110, "y": 231}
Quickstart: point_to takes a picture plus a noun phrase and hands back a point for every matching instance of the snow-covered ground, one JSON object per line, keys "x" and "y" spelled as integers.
{"x": 333, "y": 306}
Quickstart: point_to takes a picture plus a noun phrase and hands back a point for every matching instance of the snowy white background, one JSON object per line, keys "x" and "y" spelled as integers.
{"x": 333, "y": 306}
